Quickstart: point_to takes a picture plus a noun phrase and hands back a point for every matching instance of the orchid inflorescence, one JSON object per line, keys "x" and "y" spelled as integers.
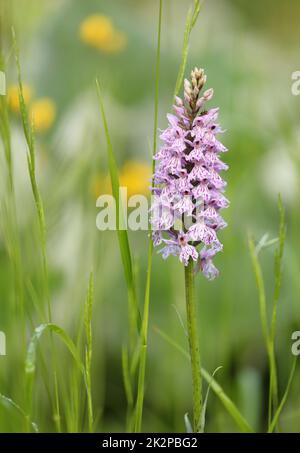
{"x": 187, "y": 187}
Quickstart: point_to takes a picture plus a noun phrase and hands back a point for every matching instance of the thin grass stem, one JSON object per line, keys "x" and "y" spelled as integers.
{"x": 145, "y": 322}
{"x": 89, "y": 350}
{"x": 30, "y": 140}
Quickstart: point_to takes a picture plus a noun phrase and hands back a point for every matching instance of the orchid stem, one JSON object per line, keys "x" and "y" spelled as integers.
{"x": 193, "y": 344}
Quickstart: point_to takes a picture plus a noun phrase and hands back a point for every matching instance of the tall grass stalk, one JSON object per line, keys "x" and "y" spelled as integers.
{"x": 128, "y": 381}
{"x": 30, "y": 140}
{"x": 265, "y": 327}
{"x": 9, "y": 220}
{"x": 10, "y": 208}
{"x": 134, "y": 317}
{"x": 89, "y": 349}
{"x": 275, "y": 420}
{"x": 145, "y": 322}
{"x": 273, "y": 395}
{"x": 30, "y": 363}
{"x": 269, "y": 328}
{"x": 133, "y": 310}
{"x": 5, "y": 132}
{"x": 14, "y": 251}
{"x": 191, "y": 20}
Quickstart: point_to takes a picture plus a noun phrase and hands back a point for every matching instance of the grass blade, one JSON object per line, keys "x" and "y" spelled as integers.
{"x": 273, "y": 396}
{"x": 5, "y": 131}
{"x": 284, "y": 398}
{"x": 269, "y": 333}
{"x": 30, "y": 140}
{"x": 89, "y": 349}
{"x": 30, "y": 363}
{"x": 265, "y": 325}
{"x": 278, "y": 266}
{"x": 188, "y": 425}
{"x": 203, "y": 412}
{"x": 127, "y": 384}
{"x": 29, "y": 136}
{"x": 6, "y": 401}
{"x": 12, "y": 235}
{"x": 134, "y": 316}
{"x": 261, "y": 290}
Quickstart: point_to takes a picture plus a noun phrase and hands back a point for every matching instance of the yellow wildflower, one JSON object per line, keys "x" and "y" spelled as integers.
{"x": 98, "y": 31}
{"x": 136, "y": 176}
{"x": 13, "y": 96}
{"x": 42, "y": 112}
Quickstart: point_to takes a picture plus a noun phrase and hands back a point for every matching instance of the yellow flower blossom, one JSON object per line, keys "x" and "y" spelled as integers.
{"x": 98, "y": 31}
{"x": 13, "y": 96}
{"x": 134, "y": 175}
{"x": 42, "y": 112}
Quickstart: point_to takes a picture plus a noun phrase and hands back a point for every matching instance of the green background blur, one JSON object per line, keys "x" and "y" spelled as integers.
{"x": 249, "y": 51}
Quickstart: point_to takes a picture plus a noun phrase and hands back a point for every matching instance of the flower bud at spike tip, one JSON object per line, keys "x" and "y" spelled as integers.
{"x": 208, "y": 94}
{"x": 178, "y": 101}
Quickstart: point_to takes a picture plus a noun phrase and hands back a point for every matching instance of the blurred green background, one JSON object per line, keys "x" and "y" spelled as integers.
{"x": 249, "y": 51}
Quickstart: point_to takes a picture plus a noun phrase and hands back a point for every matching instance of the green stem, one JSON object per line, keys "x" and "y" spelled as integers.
{"x": 145, "y": 322}
{"x": 29, "y": 136}
{"x": 193, "y": 344}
